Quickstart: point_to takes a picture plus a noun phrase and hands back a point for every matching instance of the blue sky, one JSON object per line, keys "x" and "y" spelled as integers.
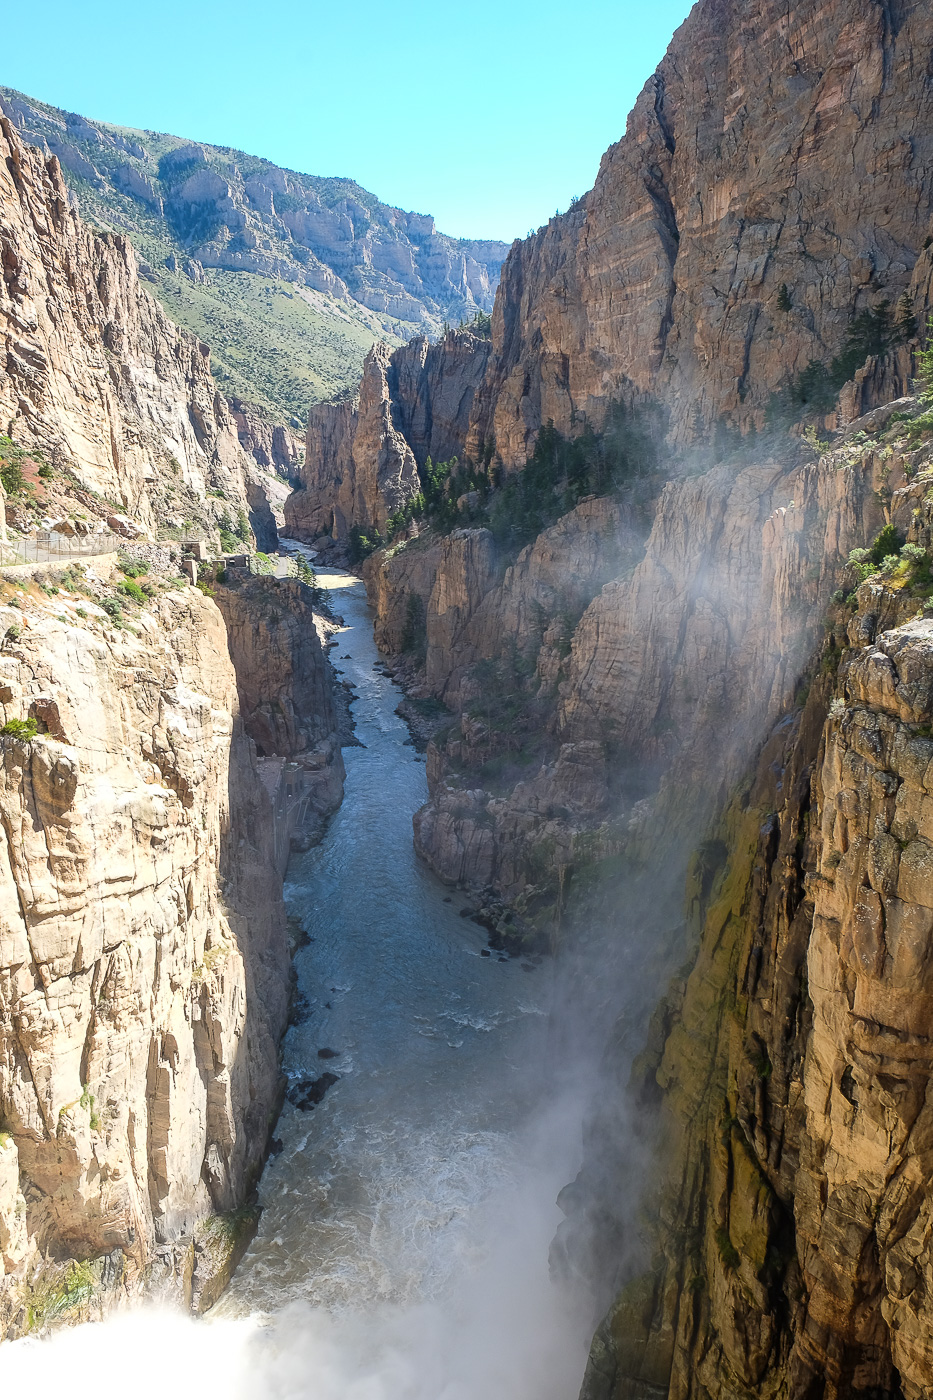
{"x": 488, "y": 115}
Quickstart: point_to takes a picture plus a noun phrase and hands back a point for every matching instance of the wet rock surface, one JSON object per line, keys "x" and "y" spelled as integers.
{"x": 308, "y": 1093}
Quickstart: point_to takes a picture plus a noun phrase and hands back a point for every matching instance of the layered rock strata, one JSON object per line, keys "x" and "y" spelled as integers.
{"x": 790, "y": 1067}
{"x": 245, "y": 214}
{"x": 705, "y": 274}
{"x": 707, "y": 268}
{"x": 273, "y": 446}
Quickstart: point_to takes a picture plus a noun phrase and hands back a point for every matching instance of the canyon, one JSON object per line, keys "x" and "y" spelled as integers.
{"x": 586, "y": 677}
{"x": 651, "y": 556}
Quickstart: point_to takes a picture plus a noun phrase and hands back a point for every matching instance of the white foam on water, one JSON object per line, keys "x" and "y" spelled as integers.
{"x": 481, "y": 1319}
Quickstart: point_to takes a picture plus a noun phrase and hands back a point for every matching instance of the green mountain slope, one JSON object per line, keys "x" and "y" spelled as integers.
{"x": 288, "y": 277}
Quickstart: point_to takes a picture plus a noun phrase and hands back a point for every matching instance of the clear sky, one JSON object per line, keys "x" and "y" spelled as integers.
{"x": 488, "y": 115}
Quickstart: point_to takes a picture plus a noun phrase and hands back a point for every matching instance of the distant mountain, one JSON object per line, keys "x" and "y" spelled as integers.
{"x": 288, "y": 277}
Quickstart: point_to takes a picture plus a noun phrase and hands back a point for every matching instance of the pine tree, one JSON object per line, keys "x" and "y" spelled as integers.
{"x": 925, "y": 369}
{"x": 905, "y": 322}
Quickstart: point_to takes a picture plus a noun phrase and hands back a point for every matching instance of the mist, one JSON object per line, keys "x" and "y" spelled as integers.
{"x": 495, "y": 1324}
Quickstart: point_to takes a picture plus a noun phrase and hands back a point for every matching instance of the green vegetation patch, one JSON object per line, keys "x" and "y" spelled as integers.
{"x": 269, "y": 345}
{"x": 873, "y": 331}
{"x": 560, "y": 472}
{"x": 23, "y": 729}
{"x": 56, "y": 1297}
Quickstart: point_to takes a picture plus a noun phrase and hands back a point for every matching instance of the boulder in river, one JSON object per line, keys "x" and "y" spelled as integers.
{"x": 308, "y": 1093}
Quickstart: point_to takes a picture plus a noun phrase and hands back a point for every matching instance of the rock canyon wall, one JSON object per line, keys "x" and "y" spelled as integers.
{"x": 774, "y": 179}
{"x": 706, "y": 273}
{"x": 786, "y": 1070}
{"x": 290, "y": 276}
{"x": 683, "y": 679}
{"x": 145, "y": 970}
{"x": 145, "y": 967}
{"x": 362, "y": 458}
{"x": 97, "y": 377}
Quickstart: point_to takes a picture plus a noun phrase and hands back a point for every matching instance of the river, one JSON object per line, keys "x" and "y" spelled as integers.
{"x": 402, "y": 1249}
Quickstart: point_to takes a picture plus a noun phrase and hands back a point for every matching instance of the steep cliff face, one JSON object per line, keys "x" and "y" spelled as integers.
{"x": 286, "y": 701}
{"x": 788, "y": 1253}
{"x": 361, "y": 460}
{"x": 363, "y": 469}
{"x": 707, "y": 267}
{"x": 610, "y": 690}
{"x": 144, "y": 963}
{"x": 273, "y": 446}
{"x": 94, "y": 373}
{"x": 706, "y": 271}
{"x": 432, "y": 387}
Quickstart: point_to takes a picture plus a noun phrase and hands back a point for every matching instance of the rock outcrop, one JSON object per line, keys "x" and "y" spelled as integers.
{"x": 363, "y": 470}
{"x": 94, "y": 373}
{"x": 604, "y": 640}
{"x": 144, "y": 965}
{"x": 272, "y": 446}
{"x": 286, "y": 701}
{"x": 362, "y": 459}
{"x": 144, "y": 969}
{"x": 756, "y": 251}
{"x": 706, "y": 274}
{"x": 706, "y": 284}
{"x": 790, "y": 1067}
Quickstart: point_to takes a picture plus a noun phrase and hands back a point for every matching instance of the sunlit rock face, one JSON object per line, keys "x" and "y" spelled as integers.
{"x": 775, "y": 147}
{"x": 362, "y": 460}
{"x": 212, "y": 214}
{"x": 772, "y": 183}
{"x": 97, "y": 376}
{"x": 143, "y": 961}
{"x": 862, "y": 1192}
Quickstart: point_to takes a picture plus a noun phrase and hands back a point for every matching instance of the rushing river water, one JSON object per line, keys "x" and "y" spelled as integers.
{"x": 402, "y": 1248}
